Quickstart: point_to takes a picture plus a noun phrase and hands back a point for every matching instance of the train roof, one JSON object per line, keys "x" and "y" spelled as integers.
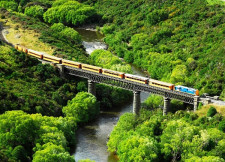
{"x": 135, "y": 76}
{"x": 50, "y": 56}
{"x": 185, "y": 87}
{"x": 160, "y": 82}
{"x": 91, "y": 66}
{"x": 39, "y": 53}
{"x": 73, "y": 62}
{"x": 112, "y": 71}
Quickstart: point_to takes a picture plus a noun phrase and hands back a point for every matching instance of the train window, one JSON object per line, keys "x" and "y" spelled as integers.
{"x": 136, "y": 79}
{"x": 91, "y": 68}
{"x": 111, "y": 73}
{"x": 159, "y": 84}
{"x": 71, "y": 64}
{"x": 33, "y": 53}
{"x": 52, "y": 58}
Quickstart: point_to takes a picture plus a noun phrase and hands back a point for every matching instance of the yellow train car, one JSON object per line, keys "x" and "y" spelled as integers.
{"x": 157, "y": 83}
{"x": 113, "y": 73}
{"x": 71, "y": 63}
{"x": 91, "y": 68}
{"x": 136, "y": 78}
{"x": 35, "y": 53}
{"x": 21, "y": 48}
{"x": 52, "y": 59}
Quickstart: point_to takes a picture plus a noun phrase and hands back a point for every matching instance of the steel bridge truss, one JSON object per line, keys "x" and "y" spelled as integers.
{"x": 129, "y": 85}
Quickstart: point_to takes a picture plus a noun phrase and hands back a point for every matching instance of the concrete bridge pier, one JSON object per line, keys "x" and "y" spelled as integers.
{"x": 136, "y": 102}
{"x": 166, "y": 107}
{"x": 61, "y": 70}
{"x": 92, "y": 87}
{"x": 196, "y": 101}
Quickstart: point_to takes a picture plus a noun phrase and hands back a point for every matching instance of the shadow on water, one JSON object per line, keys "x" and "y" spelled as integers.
{"x": 92, "y": 138}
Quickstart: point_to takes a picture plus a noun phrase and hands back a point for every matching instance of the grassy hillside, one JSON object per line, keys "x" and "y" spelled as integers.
{"x": 176, "y": 41}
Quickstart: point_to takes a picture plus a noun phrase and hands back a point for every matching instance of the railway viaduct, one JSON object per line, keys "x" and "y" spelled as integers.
{"x": 137, "y": 88}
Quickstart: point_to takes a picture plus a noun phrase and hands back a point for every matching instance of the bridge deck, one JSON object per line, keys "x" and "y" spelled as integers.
{"x": 129, "y": 85}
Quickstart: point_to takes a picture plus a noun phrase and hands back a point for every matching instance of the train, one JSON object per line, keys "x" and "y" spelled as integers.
{"x": 96, "y": 69}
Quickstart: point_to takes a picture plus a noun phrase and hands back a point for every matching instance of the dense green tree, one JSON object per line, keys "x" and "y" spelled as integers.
{"x": 136, "y": 148}
{"x": 19, "y": 153}
{"x": 20, "y": 133}
{"x": 205, "y": 158}
{"x": 222, "y": 126}
{"x": 107, "y": 60}
{"x": 69, "y": 12}
{"x": 120, "y": 131}
{"x": 9, "y": 5}
{"x": 83, "y": 107}
{"x": 15, "y": 129}
{"x": 211, "y": 112}
{"x": 35, "y": 11}
{"x": 66, "y": 33}
{"x": 51, "y": 153}
{"x": 153, "y": 101}
{"x": 174, "y": 138}
{"x": 178, "y": 44}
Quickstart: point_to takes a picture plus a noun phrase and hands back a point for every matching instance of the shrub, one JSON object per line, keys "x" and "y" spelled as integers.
{"x": 222, "y": 126}
{"x": 83, "y": 107}
{"x": 211, "y": 112}
{"x": 8, "y": 5}
{"x": 34, "y": 11}
{"x": 58, "y": 27}
{"x": 69, "y": 12}
{"x": 64, "y": 32}
{"x": 19, "y": 153}
{"x": 153, "y": 102}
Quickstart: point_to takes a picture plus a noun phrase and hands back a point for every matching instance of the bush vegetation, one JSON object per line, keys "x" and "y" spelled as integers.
{"x": 66, "y": 44}
{"x": 107, "y": 60}
{"x": 34, "y": 11}
{"x": 28, "y": 85}
{"x": 66, "y": 34}
{"x": 48, "y": 137}
{"x": 83, "y": 107}
{"x": 182, "y": 136}
{"x": 69, "y": 12}
{"x": 211, "y": 112}
{"x": 182, "y": 45}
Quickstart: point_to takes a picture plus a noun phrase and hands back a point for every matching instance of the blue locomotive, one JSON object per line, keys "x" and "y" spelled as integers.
{"x": 187, "y": 90}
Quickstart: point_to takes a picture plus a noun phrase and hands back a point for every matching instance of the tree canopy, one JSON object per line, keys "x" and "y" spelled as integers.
{"x": 69, "y": 12}
{"x": 82, "y": 108}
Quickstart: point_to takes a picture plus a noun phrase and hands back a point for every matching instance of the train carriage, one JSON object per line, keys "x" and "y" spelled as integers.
{"x": 21, "y": 48}
{"x": 91, "y": 68}
{"x": 35, "y": 53}
{"x": 136, "y": 78}
{"x": 71, "y": 63}
{"x": 157, "y": 83}
{"x": 52, "y": 59}
{"x": 113, "y": 73}
{"x": 117, "y": 74}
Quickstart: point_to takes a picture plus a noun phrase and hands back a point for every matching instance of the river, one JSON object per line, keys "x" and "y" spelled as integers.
{"x": 92, "y": 138}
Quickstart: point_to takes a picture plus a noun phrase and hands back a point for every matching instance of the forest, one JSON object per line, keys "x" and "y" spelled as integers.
{"x": 177, "y": 41}
{"x": 184, "y": 38}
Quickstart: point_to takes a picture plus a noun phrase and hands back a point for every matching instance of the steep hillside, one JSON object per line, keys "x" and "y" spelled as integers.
{"x": 177, "y": 41}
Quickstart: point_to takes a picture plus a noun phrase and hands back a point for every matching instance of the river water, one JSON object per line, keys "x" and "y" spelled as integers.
{"x": 92, "y": 138}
